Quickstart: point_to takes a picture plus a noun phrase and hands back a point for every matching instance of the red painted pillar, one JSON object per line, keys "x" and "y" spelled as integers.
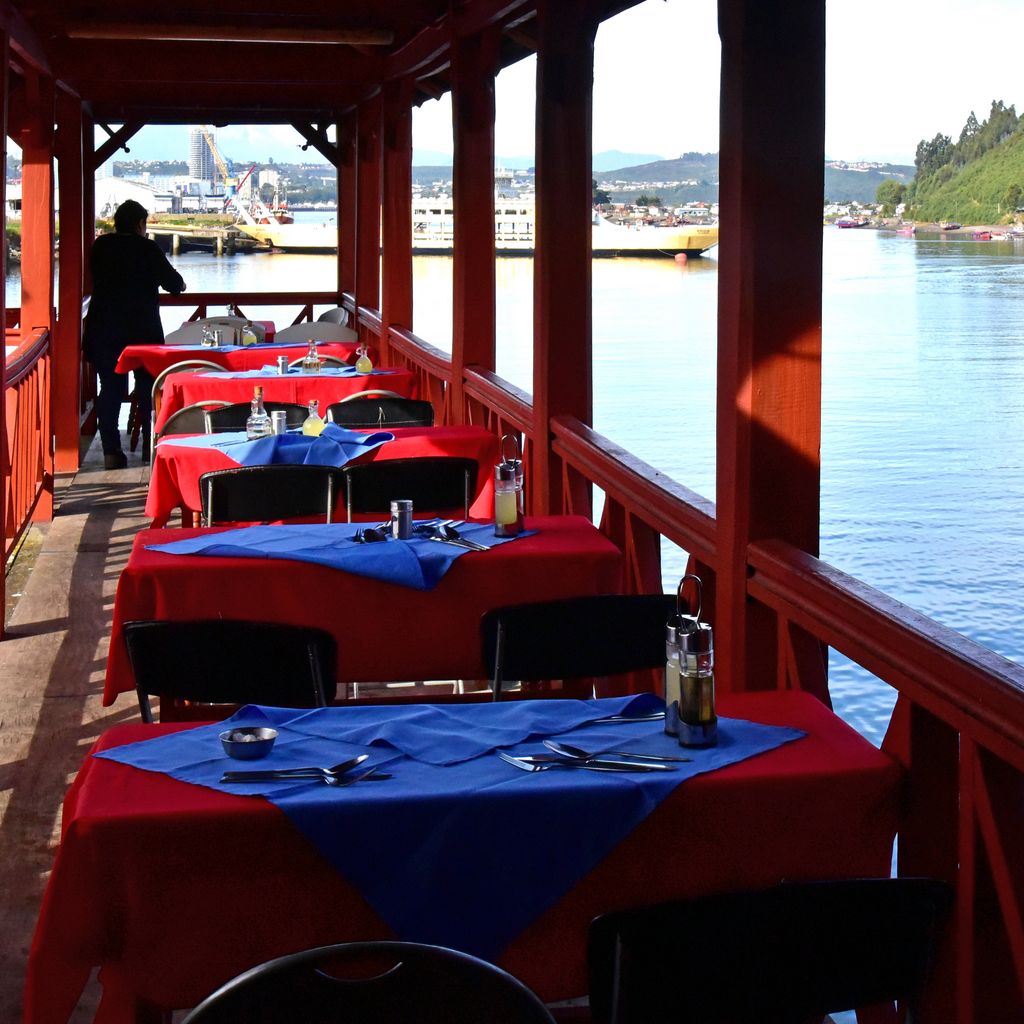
{"x": 37, "y": 236}
{"x": 347, "y": 191}
{"x": 5, "y": 445}
{"x": 396, "y": 212}
{"x": 473, "y": 289}
{"x": 368, "y": 207}
{"x": 561, "y": 271}
{"x": 769, "y": 308}
{"x": 67, "y": 347}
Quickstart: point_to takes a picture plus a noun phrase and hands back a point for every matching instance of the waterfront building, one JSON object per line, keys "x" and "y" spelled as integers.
{"x": 200, "y": 157}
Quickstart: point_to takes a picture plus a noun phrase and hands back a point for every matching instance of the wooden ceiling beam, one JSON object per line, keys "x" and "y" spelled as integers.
{"x": 312, "y": 35}
{"x": 316, "y": 136}
{"x": 118, "y": 140}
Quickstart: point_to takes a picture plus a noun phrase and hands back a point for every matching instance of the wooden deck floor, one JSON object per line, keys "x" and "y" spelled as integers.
{"x": 51, "y": 680}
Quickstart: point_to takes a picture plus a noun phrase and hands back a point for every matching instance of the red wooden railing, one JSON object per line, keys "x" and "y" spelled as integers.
{"x": 26, "y": 466}
{"x": 959, "y": 720}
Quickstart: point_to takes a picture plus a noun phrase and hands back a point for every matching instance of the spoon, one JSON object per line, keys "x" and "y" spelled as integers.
{"x": 571, "y": 751}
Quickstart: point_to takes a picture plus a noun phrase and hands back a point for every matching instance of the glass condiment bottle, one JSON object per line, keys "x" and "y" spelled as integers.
{"x": 311, "y": 360}
{"x": 508, "y": 520}
{"x": 698, "y": 723}
{"x": 207, "y": 339}
{"x": 363, "y": 363}
{"x": 313, "y": 425}
{"x": 517, "y": 464}
{"x": 258, "y": 424}
{"x": 249, "y": 336}
{"x": 678, "y": 625}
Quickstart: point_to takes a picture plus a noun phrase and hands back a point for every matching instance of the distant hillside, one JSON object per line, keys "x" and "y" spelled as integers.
{"x": 858, "y": 183}
{"x": 977, "y": 180}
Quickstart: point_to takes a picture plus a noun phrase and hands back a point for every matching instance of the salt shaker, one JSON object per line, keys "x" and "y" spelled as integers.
{"x": 282, "y": 364}
{"x": 401, "y": 519}
{"x": 279, "y": 421}
{"x": 698, "y": 723}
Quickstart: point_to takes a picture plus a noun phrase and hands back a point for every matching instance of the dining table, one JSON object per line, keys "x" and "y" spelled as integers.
{"x": 171, "y": 882}
{"x": 180, "y": 460}
{"x": 329, "y": 385}
{"x": 386, "y": 631}
{"x": 154, "y": 359}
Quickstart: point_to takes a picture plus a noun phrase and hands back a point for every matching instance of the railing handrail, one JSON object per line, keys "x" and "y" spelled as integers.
{"x": 304, "y": 298}
{"x": 512, "y": 404}
{"x": 936, "y": 667}
{"x": 20, "y": 363}
{"x": 433, "y": 359}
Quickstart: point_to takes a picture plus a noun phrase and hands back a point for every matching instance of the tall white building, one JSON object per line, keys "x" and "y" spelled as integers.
{"x": 200, "y": 159}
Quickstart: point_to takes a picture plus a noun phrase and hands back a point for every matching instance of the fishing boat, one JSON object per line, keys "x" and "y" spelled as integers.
{"x": 433, "y": 232}
{"x": 907, "y": 229}
{"x": 852, "y": 222}
{"x": 951, "y": 225}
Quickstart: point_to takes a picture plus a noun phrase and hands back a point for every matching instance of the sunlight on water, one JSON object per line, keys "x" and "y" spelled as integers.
{"x": 922, "y": 407}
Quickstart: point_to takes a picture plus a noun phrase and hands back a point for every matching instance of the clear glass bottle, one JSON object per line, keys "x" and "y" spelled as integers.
{"x": 313, "y": 425}
{"x": 698, "y": 722}
{"x": 508, "y": 519}
{"x": 311, "y": 360}
{"x": 258, "y": 424}
{"x": 249, "y": 336}
{"x": 207, "y": 339}
{"x": 363, "y": 363}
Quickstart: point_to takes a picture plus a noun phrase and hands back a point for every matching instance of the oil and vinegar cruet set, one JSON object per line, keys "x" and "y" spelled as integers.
{"x": 509, "y": 507}
{"x": 690, "y": 674}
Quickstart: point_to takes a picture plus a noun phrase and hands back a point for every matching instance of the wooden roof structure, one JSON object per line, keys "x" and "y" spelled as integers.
{"x": 361, "y": 65}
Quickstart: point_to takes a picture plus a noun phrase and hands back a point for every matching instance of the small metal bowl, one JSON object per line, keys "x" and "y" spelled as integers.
{"x": 248, "y": 743}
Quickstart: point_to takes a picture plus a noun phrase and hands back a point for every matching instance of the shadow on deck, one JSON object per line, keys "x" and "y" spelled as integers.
{"x": 51, "y": 683}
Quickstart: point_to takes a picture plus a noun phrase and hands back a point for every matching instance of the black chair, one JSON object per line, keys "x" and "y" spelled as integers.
{"x": 381, "y": 409}
{"x": 433, "y": 483}
{"x": 231, "y": 662}
{"x": 189, "y": 420}
{"x": 233, "y": 417}
{"x": 784, "y": 955}
{"x": 577, "y": 638}
{"x": 373, "y": 983}
{"x": 268, "y": 493}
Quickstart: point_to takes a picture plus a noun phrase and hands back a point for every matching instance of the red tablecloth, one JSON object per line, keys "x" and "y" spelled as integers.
{"x": 181, "y": 389}
{"x": 173, "y": 889}
{"x": 174, "y": 480}
{"x": 385, "y": 632}
{"x": 156, "y": 358}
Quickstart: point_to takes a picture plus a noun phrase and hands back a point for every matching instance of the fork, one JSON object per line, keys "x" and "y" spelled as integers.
{"x": 529, "y": 765}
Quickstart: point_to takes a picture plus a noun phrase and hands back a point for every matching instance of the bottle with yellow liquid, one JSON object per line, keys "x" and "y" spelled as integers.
{"x": 313, "y": 425}
{"x": 508, "y": 519}
{"x": 363, "y": 363}
{"x": 249, "y": 336}
{"x": 311, "y": 360}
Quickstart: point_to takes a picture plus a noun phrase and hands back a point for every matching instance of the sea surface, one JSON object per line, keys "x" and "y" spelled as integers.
{"x": 923, "y": 405}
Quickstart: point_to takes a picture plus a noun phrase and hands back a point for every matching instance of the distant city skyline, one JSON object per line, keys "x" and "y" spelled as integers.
{"x": 893, "y": 77}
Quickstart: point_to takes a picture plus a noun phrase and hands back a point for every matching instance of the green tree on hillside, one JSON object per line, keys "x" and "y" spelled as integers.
{"x": 645, "y": 200}
{"x": 932, "y": 155}
{"x": 600, "y": 196}
{"x": 890, "y": 193}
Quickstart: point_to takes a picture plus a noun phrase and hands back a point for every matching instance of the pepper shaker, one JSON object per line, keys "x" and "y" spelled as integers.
{"x": 679, "y": 625}
{"x": 401, "y": 519}
{"x": 698, "y": 722}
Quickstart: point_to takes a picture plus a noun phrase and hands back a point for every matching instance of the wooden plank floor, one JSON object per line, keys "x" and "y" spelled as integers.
{"x": 51, "y": 681}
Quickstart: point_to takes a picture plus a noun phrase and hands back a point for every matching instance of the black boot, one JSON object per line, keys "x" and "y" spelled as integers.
{"x": 114, "y": 460}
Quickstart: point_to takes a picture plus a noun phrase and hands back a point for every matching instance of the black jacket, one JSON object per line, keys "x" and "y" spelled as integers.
{"x": 128, "y": 271}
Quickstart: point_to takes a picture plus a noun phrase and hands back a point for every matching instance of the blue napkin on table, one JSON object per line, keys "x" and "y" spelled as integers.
{"x": 470, "y": 854}
{"x": 273, "y": 371}
{"x": 335, "y": 446}
{"x": 418, "y": 563}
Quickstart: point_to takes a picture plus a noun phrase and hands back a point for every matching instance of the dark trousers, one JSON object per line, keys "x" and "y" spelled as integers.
{"x": 113, "y": 391}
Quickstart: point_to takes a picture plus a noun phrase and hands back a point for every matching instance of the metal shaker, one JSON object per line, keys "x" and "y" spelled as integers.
{"x": 282, "y": 364}
{"x": 516, "y": 462}
{"x": 401, "y": 519}
{"x": 279, "y": 421}
{"x": 678, "y": 625}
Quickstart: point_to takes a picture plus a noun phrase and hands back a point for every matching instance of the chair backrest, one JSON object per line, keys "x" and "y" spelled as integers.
{"x": 774, "y": 956}
{"x": 575, "y": 638}
{"x": 189, "y": 420}
{"x": 190, "y": 333}
{"x": 185, "y": 366}
{"x": 232, "y": 416}
{"x": 268, "y": 493}
{"x": 321, "y": 330}
{"x": 371, "y": 982}
{"x": 433, "y": 484}
{"x": 372, "y": 409}
{"x": 224, "y": 661}
{"x": 324, "y": 361}
{"x": 338, "y": 315}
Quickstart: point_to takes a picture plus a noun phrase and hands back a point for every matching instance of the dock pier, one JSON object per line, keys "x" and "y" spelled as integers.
{"x": 220, "y": 240}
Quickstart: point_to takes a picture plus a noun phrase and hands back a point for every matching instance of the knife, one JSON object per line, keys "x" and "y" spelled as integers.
{"x": 599, "y": 763}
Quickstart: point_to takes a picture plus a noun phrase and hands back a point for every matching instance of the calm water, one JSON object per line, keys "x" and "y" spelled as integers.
{"x": 923, "y": 406}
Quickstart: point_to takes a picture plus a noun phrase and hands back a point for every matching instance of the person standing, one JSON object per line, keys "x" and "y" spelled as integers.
{"x": 128, "y": 271}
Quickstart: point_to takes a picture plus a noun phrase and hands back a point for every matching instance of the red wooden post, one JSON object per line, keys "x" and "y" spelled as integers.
{"x": 561, "y": 270}
{"x": 769, "y": 309}
{"x": 67, "y": 341}
{"x": 396, "y": 214}
{"x": 37, "y": 235}
{"x": 473, "y": 288}
{"x": 88, "y": 387}
{"x": 5, "y": 441}
{"x": 368, "y": 208}
{"x": 347, "y": 191}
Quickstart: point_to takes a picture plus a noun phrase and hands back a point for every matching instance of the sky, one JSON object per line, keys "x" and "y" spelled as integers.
{"x": 898, "y": 71}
